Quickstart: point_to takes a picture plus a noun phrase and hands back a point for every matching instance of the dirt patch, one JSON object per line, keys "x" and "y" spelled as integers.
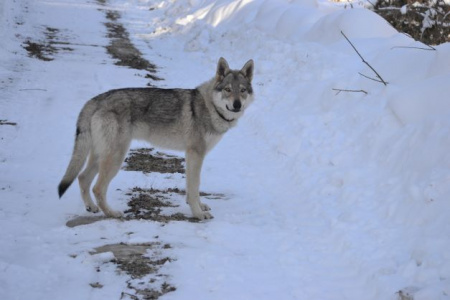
{"x": 149, "y": 294}
{"x": 148, "y": 160}
{"x": 46, "y": 49}
{"x": 427, "y": 21}
{"x": 407, "y": 293}
{"x": 149, "y": 204}
{"x": 96, "y": 285}
{"x": 154, "y": 204}
{"x": 39, "y": 50}
{"x": 142, "y": 262}
{"x": 122, "y": 49}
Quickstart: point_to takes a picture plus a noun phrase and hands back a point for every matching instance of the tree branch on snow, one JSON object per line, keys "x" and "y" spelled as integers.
{"x": 349, "y": 91}
{"x": 44, "y": 90}
{"x": 380, "y": 79}
{"x": 368, "y": 77}
{"x": 371, "y": 3}
{"x": 445, "y": 16}
{"x": 430, "y": 48}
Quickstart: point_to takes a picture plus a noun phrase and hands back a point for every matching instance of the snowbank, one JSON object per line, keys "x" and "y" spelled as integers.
{"x": 374, "y": 166}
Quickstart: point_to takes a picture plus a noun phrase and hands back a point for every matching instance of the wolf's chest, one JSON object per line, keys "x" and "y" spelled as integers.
{"x": 211, "y": 140}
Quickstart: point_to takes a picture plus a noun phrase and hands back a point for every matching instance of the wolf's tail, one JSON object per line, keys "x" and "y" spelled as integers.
{"x": 83, "y": 144}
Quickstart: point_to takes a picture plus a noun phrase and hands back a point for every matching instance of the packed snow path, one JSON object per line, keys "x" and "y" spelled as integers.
{"x": 327, "y": 197}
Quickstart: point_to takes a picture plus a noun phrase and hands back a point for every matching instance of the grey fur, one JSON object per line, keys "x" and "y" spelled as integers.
{"x": 191, "y": 120}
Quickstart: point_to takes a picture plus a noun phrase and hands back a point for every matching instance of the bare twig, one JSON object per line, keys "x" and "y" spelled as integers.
{"x": 6, "y": 122}
{"x": 349, "y": 91}
{"x": 389, "y": 8}
{"x": 44, "y": 90}
{"x": 445, "y": 16}
{"x": 428, "y": 49}
{"x": 431, "y": 48}
{"x": 368, "y": 77}
{"x": 348, "y": 3}
{"x": 364, "y": 61}
{"x": 134, "y": 297}
{"x": 371, "y": 3}
{"x": 421, "y": 48}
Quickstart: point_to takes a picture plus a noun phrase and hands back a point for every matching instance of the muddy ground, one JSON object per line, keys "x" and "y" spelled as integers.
{"x": 122, "y": 49}
{"x": 53, "y": 41}
{"x": 142, "y": 263}
{"x": 149, "y": 160}
{"x": 153, "y": 204}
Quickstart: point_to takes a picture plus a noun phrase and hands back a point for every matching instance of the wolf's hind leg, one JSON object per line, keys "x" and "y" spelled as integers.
{"x": 108, "y": 168}
{"x": 85, "y": 180}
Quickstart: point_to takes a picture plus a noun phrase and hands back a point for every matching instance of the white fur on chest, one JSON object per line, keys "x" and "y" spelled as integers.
{"x": 211, "y": 140}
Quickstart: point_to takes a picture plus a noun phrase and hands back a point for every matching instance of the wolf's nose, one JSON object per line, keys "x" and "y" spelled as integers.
{"x": 237, "y": 105}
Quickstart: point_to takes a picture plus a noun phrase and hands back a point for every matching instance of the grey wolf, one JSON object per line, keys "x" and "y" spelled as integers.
{"x": 190, "y": 120}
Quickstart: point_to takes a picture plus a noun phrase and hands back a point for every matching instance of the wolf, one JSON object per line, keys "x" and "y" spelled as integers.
{"x": 190, "y": 120}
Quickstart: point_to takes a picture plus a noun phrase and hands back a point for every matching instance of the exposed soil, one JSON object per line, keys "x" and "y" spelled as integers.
{"x": 142, "y": 263}
{"x": 122, "y": 49}
{"x": 149, "y": 204}
{"x": 152, "y": 204}
{"x": 407, "y": 293}
{"x": 39, "y": 50}
{"x": 427, "y": 21}
{"x": 148, "y": 160}
{"x": 46, "y": 49}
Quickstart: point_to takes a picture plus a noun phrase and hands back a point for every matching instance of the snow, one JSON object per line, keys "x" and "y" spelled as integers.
{"x": 328, "y": 196}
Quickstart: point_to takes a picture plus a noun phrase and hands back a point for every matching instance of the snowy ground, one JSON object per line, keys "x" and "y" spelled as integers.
{"x": 328, "y": 196}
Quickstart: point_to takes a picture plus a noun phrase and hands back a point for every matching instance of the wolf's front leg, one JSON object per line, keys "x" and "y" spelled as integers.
{"x": 194, "y": 161}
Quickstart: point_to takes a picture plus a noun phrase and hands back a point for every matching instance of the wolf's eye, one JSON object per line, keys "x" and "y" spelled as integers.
{"x": 227, "y": 89}
{"x": 243, "y": 90}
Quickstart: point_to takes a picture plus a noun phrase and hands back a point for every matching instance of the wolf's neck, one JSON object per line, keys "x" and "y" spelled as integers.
{"x": 218, "y": 122}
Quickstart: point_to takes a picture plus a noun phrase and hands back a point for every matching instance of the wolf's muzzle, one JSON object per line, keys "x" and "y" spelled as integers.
{"x": 237, "y": 105}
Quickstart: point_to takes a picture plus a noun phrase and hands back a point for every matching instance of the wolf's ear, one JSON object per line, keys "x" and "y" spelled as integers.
{"x": 222, "y": 69}
{"x": 247, "y": 70}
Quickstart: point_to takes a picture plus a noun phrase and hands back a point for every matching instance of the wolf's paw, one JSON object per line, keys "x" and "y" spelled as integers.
{"x": 203, "y": 216}
{"x": 114, "y": 214}
{"x": 92, "y": 208}
{"x": 204, "y": 207}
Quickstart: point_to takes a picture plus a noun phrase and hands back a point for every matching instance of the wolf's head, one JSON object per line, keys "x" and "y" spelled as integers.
{"x": 233, "y": 90}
